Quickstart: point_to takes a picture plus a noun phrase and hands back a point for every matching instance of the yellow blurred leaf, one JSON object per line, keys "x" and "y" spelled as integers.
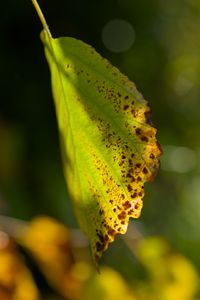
{"x": 184, "y": 281}
{"x": 171, "y": 276}
{"x": 49, "y": 243}
{"x": 109, "y": 285}
{"x": 16, "y": 281}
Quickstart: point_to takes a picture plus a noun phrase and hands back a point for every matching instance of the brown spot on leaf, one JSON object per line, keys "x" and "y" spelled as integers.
{"x": 122, "y": 215}
{"x": 101, "y": 211}
{"x": 100, "y": 236}
{"x": 111, "y": 231}
{"x": 137, "y": 205}
{"x": 159, "y": 147}
{"x": 152, "y": 156}
{"x": 130, "y": 162}
{"x": 106, "y": 238}
{"x": 126, "y": 107}
{"x": 129, "y": 187}
{"x": 138, "y": 131}
{"x": 132, "y": 179}
{"x": 129, "y": 175}
{"x": 130, "y": 171}
{"x": 145, "y": 171}
{"x": 144, "y": 138}
{"x": 134, "y": 195}
{"x": 99, "y": 246}
{"x": 126, "y": 205}
{"x": 138, "y": 165}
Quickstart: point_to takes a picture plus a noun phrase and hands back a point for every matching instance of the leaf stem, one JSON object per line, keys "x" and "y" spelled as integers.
{"x": 41, "y": 17}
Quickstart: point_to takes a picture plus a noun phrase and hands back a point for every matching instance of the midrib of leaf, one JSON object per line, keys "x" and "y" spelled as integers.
{"x": 67, "y": 103}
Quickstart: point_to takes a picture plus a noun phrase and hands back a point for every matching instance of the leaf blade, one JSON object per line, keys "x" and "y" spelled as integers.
{"x": 109, "y": 147}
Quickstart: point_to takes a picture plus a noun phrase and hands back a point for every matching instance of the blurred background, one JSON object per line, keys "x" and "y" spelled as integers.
{"x": 156, "y": 43}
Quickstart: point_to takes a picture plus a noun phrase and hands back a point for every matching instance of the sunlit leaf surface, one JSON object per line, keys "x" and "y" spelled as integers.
{"x": 108, "y": 143}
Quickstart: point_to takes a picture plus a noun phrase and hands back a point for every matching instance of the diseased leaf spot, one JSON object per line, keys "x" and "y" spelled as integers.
{"x": 101, "y": 211}
{"x": 111, "y": 231}
{"x": 100, "y": 236}
{"x": 127, "y": 205}
{"x": 99, "y": 246}
{"x": 130, "y": 162}
{"x": 138, "y": 165}
{"x": 129, "y": 188}
{"x": 122, "y": 215}
{"x": 134, "y": 195}
{"x": 126, "y": 107}
{"x": 106, "y": 238}
{"x": 152, "y": 156}
{"x": 144, "y": 138}
{"x": 145, "y": 171}
{"x": 138, "y": 131}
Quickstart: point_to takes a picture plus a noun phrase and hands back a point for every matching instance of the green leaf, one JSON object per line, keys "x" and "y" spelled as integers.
{"x": 108, "y": 143}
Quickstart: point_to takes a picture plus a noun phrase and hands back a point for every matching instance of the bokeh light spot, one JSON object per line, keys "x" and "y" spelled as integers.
{"x": 178, "y": 159}
{"x": 183, "y": 85}
{"x": 118, "y": 35}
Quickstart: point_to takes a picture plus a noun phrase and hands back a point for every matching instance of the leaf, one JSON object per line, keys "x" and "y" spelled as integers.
{"x": 49, "y": 244}
{"x": 108, "y": 143}
{"x": 173, "y": 278}
{"x": 102, "y": 287}
{"x": 16, "y": 280}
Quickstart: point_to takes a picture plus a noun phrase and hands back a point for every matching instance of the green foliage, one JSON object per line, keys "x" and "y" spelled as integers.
{"x": 109, "y": 147}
